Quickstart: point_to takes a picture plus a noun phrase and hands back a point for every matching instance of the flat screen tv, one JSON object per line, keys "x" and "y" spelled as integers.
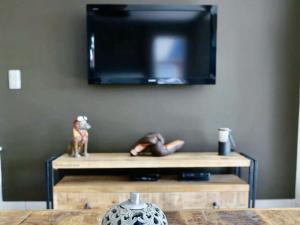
{"x": 151, "y": 44}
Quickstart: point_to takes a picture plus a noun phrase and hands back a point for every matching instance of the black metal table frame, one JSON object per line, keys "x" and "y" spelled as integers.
{"x": 53, "y": 176}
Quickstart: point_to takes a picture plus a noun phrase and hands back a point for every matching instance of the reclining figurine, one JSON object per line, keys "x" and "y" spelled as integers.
{"x": 155, "y": 144}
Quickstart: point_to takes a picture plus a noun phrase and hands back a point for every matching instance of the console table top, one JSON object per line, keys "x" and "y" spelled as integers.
{"x": 188, "y": 217}
{"x": 176, "y": 160}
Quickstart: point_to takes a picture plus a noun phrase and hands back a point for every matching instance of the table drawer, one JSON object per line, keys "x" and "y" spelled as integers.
{"x": 222, "y": 191}
{"x": 167, "y": 201}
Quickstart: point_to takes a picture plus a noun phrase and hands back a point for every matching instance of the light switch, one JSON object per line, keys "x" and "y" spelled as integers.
{"x": 14, "y": 79}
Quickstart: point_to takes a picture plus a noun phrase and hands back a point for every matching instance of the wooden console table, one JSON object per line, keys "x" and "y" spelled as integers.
{"x": 199, "y": 217}
{"x": 58, "y": 167}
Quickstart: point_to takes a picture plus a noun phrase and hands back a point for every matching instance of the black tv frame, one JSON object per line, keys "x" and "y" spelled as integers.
{"x": 92, "y": 9}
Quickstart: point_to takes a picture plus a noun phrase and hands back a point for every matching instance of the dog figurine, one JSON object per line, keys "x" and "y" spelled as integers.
{"x": 79, "y": 142}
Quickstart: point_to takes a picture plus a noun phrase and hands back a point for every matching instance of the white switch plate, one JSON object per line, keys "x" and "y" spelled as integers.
{"x": 14, "y": 79}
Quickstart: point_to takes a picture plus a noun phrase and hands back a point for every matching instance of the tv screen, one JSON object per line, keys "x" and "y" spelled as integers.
{"x": 151, "y": 44}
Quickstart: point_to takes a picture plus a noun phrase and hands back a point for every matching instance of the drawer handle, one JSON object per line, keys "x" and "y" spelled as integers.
{"x": 215, "y": 205}
{"x": 87, "y": 206}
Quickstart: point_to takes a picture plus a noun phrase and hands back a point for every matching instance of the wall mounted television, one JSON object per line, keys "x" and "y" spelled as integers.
{"x": 151, "y": 44}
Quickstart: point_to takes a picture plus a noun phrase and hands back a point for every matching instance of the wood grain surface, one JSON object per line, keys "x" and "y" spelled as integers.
{"x": 187, "y": 217}
{"x": 176, "y": 160}
{"x": 121, "y": 184}
{"x": 102, "y": 192}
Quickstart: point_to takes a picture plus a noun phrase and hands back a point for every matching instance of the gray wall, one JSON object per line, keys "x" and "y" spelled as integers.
{"x": 256, "y": 93}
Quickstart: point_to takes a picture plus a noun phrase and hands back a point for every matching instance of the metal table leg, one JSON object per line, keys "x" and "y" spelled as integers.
{"x": 50, "y": 179}
{"x": 255, "y": 168}
{"x": 252, "y": 180}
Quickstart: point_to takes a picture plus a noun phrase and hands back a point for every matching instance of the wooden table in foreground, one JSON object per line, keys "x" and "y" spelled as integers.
{"x": 199, "y": 217}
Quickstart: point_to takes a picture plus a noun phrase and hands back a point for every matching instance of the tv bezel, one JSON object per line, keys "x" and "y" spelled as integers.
{"x": 92, "y": 9}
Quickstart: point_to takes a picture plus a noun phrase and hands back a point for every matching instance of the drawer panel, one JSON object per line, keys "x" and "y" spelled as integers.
{"x": 101, "y": 192}
{"x": 167, "y": 201}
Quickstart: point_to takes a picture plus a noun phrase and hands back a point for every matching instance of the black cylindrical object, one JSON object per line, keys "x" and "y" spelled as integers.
{"x": 224, "y": 143}
{"x": 224, "y": 148}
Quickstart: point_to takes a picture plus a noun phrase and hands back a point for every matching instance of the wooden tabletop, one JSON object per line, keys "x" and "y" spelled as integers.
{"x": 199, "y": 217}
{"x": 176, "y": 160}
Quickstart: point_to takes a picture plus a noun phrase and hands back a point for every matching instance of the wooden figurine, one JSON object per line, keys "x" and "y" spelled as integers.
{"x": 154, "y": 143}
{"x": 79, "y": 142}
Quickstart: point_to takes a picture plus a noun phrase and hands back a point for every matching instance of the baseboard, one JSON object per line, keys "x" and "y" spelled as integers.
{"x": 275, "y": 203}
{"x": 261, "y": 203}
{"x": 22, "y": 205}
{"x": 12, "y": 205}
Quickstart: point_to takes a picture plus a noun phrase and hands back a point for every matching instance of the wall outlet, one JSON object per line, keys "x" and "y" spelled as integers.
{"x": 14, "y": 79}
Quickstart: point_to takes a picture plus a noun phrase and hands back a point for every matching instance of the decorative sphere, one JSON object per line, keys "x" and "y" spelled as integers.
{"x": 135, "y": 212}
